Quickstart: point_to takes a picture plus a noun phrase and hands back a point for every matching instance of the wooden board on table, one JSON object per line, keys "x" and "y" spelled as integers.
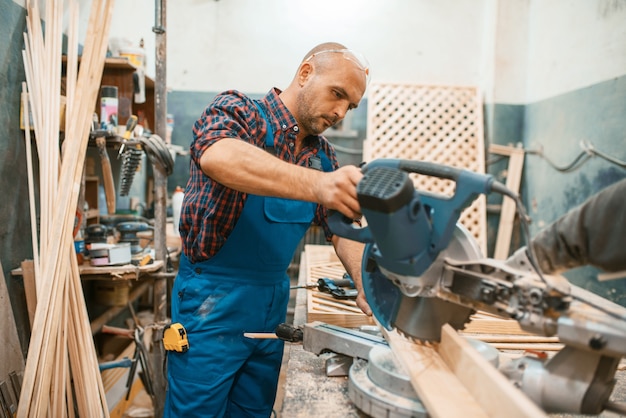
{"x": 454, "y": 366}
{"x": 485, "y": 323}
{"x": 321, "y": 261}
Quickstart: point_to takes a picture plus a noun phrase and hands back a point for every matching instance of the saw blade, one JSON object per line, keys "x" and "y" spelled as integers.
{"x": 419, "y": 317}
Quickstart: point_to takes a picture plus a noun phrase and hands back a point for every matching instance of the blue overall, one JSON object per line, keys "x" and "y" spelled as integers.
{"x": 243, "y": 288}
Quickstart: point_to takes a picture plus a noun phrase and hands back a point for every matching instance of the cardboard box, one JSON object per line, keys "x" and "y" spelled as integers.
{"x": 109, "y": 254}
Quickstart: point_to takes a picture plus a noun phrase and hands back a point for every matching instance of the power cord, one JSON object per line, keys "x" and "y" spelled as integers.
{"x": 588, "y": 151}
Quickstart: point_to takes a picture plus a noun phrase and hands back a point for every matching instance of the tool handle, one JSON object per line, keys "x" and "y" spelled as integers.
{"x": 289, "y": 333}
{"x": 130, "y": 126}
{"x": 125, "y": 362}
{"x": 336, "y": 288}
{"x": 416, "y": 166}
{"x": 345, "y": 227}
{"x": 124, "y": 332}
{"x": 107, "y": 175}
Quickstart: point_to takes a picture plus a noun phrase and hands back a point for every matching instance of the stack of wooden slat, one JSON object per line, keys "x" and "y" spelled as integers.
{"x": 321, "y": 261}
{"x": 61, "y": 374}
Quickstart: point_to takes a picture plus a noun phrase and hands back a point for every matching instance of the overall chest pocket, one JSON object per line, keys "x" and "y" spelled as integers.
{"x": 288, "y": 211}
{"x": 288, "y": 221}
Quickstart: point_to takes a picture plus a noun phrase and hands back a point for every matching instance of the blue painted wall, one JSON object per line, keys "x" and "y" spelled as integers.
{"x": 597, "y": 115}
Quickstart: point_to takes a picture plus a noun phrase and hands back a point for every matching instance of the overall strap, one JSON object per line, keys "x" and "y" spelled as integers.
{"x": 269, "y": 135}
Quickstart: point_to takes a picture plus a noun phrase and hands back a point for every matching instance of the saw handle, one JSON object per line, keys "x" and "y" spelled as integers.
{"x": 416, "y": 166}
{"x": 345, "y": 227}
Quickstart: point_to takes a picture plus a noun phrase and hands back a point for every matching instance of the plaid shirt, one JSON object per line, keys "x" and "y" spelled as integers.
{"x": 210, "y": 210}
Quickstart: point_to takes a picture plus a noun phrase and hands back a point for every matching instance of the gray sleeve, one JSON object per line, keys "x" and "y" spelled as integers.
{"x": 593, "y": 233}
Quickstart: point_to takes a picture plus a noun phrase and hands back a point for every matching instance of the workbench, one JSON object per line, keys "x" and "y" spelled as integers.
{"x": 306, "y": 391}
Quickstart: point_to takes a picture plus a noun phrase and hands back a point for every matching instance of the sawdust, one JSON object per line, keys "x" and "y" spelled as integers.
{"x": 310, "y": 393}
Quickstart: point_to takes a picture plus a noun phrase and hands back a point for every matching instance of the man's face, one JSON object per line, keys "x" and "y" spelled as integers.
{"x": 329, "y": 94}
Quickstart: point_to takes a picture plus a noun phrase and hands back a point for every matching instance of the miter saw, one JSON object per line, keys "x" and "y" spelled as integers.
{"x": 422, "y": 269}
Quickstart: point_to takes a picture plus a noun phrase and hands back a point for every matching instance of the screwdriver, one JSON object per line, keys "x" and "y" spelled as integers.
{"x": 130, "y": 126}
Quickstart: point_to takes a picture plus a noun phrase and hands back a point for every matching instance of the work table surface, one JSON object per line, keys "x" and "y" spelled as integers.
{"x": 306, "y": 390}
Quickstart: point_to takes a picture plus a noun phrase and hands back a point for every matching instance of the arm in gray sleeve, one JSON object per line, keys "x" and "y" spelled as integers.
{"x": 593, "y": 233}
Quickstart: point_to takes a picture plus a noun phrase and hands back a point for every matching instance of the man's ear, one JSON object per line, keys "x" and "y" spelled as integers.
{"x": 305, "y": 72}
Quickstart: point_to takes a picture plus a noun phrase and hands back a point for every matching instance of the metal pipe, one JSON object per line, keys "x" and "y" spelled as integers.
{"x": 159, "y": 19}
{"x": 157, "y": 355}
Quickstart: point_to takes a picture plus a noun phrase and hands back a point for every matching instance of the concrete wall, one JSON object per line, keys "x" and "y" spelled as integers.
{"x": 15, "y": 242}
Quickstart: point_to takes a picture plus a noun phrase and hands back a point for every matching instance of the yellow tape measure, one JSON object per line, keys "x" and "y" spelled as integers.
{"x": 175, "y": 338}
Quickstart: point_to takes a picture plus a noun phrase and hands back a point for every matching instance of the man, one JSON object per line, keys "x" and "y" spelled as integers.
{"x": 260, "y": 173}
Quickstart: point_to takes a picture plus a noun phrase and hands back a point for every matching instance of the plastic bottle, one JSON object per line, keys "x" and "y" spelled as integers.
{"x": 108, "y": 107}
{"x": 177, "y": 202}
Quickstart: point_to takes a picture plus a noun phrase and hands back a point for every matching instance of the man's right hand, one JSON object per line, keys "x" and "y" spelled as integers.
{"x": 337, "y": 190}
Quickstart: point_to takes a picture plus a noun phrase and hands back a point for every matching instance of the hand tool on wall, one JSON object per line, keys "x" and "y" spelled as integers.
{"x": 131, "y": 157}
{"x": 100, "y": 137}
{"x": 140, "y": 357}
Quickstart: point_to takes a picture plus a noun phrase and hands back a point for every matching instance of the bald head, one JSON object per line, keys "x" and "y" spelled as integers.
{"x": 326, "y": 46}
{"x": 330, "y": 81}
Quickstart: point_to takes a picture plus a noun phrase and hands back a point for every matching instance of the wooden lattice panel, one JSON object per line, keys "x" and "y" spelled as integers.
{"x": 321, "y": 261}
{"x": 440, "y": 124}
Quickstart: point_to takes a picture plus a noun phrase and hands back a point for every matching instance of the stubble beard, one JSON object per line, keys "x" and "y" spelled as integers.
{"x": 310, "y": 123}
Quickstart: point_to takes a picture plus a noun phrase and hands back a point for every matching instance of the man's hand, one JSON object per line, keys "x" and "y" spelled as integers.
{"x": 361, "y": 302}
{"x": 337, "y": 190}
{"x": 350, "y": 254}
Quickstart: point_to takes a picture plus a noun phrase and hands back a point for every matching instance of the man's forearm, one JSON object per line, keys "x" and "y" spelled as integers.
{"x": 247, "y": 168}
{"x": 351, "y": 255}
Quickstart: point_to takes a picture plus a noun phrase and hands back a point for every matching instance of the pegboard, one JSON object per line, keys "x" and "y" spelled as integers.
{"x": 440, "y": 124}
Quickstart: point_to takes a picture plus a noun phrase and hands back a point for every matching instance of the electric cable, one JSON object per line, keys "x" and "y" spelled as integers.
{"x": 158, "y": 153}
{"x": 576, "y": 163}
{"x": 587, "y": 146}
{"x": 588, "y": 151}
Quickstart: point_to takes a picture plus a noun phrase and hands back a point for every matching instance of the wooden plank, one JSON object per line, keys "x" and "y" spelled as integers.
{"x": 30, "y": 288}
{"x": 11, "y": 359}
{"x": 482, "y": 325}
{"x": 493, "y": 391}
{"x": 507, "y": 214}
{"x": 441, "y": 392}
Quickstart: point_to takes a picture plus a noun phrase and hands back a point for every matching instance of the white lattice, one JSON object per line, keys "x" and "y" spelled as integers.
{"x": 440, "y": 124}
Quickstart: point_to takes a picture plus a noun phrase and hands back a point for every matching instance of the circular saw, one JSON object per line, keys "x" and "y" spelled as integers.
{"x": 418, "y": 314}
{"x": 409, "y": 235}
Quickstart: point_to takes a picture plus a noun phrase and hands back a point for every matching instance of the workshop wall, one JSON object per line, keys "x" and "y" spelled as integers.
{"x": 236, "y": 45}
{"x": 576, "y": 101}
{"x": 553, "y": 75}
{"x": 572, "y": 98}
